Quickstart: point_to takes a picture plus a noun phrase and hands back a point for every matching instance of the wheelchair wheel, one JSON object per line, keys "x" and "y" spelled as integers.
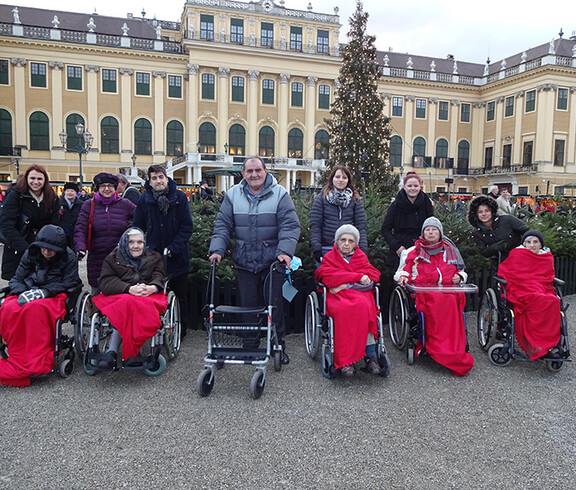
{"x": 87, "y": 368}
{"x": 554, "y": 366}
{"x": 82, "y": 320}
{"x": 159, "y": 370}
{"x": 257, "y": 384}
{"x": 65, "y": 368}
{"x": 398, "y": 317}
{"x": 312, "y": 325}
{"x": 205, "y": 382}
{"x": 172, "y": 327}
{"x": 328, "y": 369}
{"x": 499, "y": 356}
{"x": 410, "y": 354}
{"x": 487, "y": 319}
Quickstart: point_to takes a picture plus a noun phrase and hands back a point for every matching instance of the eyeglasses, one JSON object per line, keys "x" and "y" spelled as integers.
{"x": 106, "y": 186}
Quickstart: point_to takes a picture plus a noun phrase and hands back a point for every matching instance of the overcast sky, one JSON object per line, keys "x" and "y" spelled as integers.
{"x": 469, "y": 31}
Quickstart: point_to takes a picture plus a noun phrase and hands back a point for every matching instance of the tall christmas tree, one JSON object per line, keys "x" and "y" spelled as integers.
{"x": 359, "y": 130}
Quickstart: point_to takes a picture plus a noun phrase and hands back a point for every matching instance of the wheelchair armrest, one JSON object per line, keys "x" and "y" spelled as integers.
{"x": 500, "y": 280}
{"x": 558, "y": 282}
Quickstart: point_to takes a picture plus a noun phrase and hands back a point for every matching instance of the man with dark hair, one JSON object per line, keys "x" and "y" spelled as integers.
{"x": 163, "y": 213}
{"x": 125, "y": 190}
{"x": 260, "y": 215}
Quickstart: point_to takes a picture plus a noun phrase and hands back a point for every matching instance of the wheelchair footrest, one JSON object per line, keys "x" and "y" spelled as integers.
{"x": 238, "y": 354}
{"x": 99, "y": 361}
{"x": 139, "y": 363}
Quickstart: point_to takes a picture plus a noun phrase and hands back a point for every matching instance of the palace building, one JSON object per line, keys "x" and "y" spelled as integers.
{"x": 232, "y": 78}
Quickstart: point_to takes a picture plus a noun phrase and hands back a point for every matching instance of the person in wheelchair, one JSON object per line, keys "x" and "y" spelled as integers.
{"x": 131, "y": 282}
{"x": 529, "y": 272}
{"x": 434, "y": 259}
{"x": 350, "y": 278}
{"x": 37, "y": 293}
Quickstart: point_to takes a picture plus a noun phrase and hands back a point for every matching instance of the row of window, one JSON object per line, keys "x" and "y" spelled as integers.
{"x": 441, "y": 160}
{"x": 110, "y": 141}
{"x": 110, "y": 85}
{"x": 237, "y": 34}
{"x": 509, "y": 104}
{"x": 421, "y": 105}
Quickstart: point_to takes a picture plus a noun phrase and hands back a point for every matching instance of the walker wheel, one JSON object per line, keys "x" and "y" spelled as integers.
{"x": 203, "y": 384}
{"x": 257, "y": 384}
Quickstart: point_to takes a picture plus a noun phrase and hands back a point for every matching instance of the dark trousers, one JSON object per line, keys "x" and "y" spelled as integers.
{"x": 179, "y": 284}
{"x": 253, "y": 292}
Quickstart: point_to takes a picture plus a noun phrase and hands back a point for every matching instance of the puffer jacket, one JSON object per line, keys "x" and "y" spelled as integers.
{"x": 171, "y": 231}
{"x": 56, "y": 275}
{"x": 326, "y": 218}
{"x": 263, "y": 228}
{"x": 108, "y": 224}
{"x": 16, "y": 205}
{"x": 68, "y": 217}
{"x": 505, "y": 235}
{"x": 118, "y": 275}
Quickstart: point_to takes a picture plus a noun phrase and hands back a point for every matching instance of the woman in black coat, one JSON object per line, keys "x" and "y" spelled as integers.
{"x": 338, "y": 204}
{"x": 29, "y": 205}
{"x": 494, "y": 234}
{"x": 404, "y": 219}
{"x": 70, "y": 206}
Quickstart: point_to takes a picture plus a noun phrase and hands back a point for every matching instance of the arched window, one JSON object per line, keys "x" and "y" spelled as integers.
{"x": 396, "y": 151}
{"x": 321, "y": 145}
{"x": 5, "y": 132}
{"x": 142, "y": 137}
{"x": 419, "y": 147}
{"x": 207, "y": 138}
{"x": 237, "y": 140}
{"x": 463, "y": 157}
{"x": 266, "y": 142}
{"x": 295, "y": 143}
{"x": 442, "y": 148}
{"x": 109, "y": 137}
{"x": 39, "y": 131}
{"x": 174, "y": 138}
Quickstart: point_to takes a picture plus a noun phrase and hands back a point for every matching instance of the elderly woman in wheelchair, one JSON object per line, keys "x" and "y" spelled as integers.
{"x": 349, "y": 280}
{"x": 35, "y": 308}
{"x": 527, "y": 283}
{"x": 434, "y": 263}
{"x": 130, "y": 309}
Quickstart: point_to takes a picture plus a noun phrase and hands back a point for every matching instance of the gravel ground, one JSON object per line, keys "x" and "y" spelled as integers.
{"x": 421, "y": 427}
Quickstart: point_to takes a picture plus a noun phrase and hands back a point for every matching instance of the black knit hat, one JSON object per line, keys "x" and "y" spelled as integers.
{"x": 533, "y": 233}
{"x": 72, "y": 185}
{"x": 105, "y": 178}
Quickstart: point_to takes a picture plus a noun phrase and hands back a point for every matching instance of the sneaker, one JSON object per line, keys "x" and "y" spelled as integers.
{"x": 347, "y": 371}
{"x": 372, "y": 366}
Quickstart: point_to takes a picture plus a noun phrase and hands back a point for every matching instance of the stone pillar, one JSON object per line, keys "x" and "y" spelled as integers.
{"x": 92, "y": 113}
{"x": 57, "y": 112}
{"x": 159, "y": 150}
{"x": 126, "y": 129}
{"x": 283, "y": 105}
{"x": 20, "y": 101}
{"x": 252, "y": 113}
{"x": 192, "y": 107}
{"x": 223, "y": 102}
{"x": 310, "y": 105}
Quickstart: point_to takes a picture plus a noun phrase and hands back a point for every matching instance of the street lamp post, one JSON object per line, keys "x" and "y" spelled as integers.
{"x": 85, "y": 140}
{"x": 133, "y": 158}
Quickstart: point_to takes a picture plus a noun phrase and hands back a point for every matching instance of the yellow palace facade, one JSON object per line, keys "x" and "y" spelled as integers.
{"x": 235, "y": 78}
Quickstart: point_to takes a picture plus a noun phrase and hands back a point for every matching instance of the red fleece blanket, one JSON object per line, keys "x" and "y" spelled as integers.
{"x": 29, "y": 331}
{"x": 136, "y": 318}
{"x": 354, "y": 312}
{"x": 536, "y": 306}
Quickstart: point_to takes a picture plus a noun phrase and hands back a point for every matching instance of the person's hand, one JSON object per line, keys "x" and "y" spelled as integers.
{"x": 403, "y": 280}
{"x": 456, "y": 279}
{"x": 142, "y": 290}
{"x": 31, "y": 295}
{"x": 364, "y": 280}
{"x": 284, "y": 259}
{"x": 400, "y": 250}
{"x": 215, "y": 257}
{"x": 81, "y": 254}
{"x": 318, "y": 255}
{"x": 337, "y": 289}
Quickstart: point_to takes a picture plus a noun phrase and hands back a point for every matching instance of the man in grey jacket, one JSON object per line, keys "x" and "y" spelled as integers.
{"x": 261, "y": 216}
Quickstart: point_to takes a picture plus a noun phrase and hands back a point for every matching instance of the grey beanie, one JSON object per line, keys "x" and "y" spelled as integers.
{"x": 433, "y": 221}
{"x": 350, "y": 229}
{"x": 533, "y": 233}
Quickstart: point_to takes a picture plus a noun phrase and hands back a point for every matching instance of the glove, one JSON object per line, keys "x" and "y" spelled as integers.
{"x": 318, "y": 255}
{"x": 31, "y": 295}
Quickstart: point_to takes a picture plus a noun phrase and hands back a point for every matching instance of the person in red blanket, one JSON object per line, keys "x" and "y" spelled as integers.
{"x": 529, "y": 270}
{"x": 47, "y": 272}
{"x": 350, "y": 278}
{"x": 132, "y": 285}
{"x": 434, "y": 259}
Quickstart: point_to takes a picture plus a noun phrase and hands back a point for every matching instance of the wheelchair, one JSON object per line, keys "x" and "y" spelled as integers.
{"x": 319, "y": 326}
{"x": 93, "y": 330}
{"x": 64, "y": 352}
{"x": 407, "y": 325}
{"x": 231, "y": 337}
{"x": 496, "y": 329}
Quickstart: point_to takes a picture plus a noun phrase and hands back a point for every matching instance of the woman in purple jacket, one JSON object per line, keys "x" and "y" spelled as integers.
{"x": 100, "y": 225}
